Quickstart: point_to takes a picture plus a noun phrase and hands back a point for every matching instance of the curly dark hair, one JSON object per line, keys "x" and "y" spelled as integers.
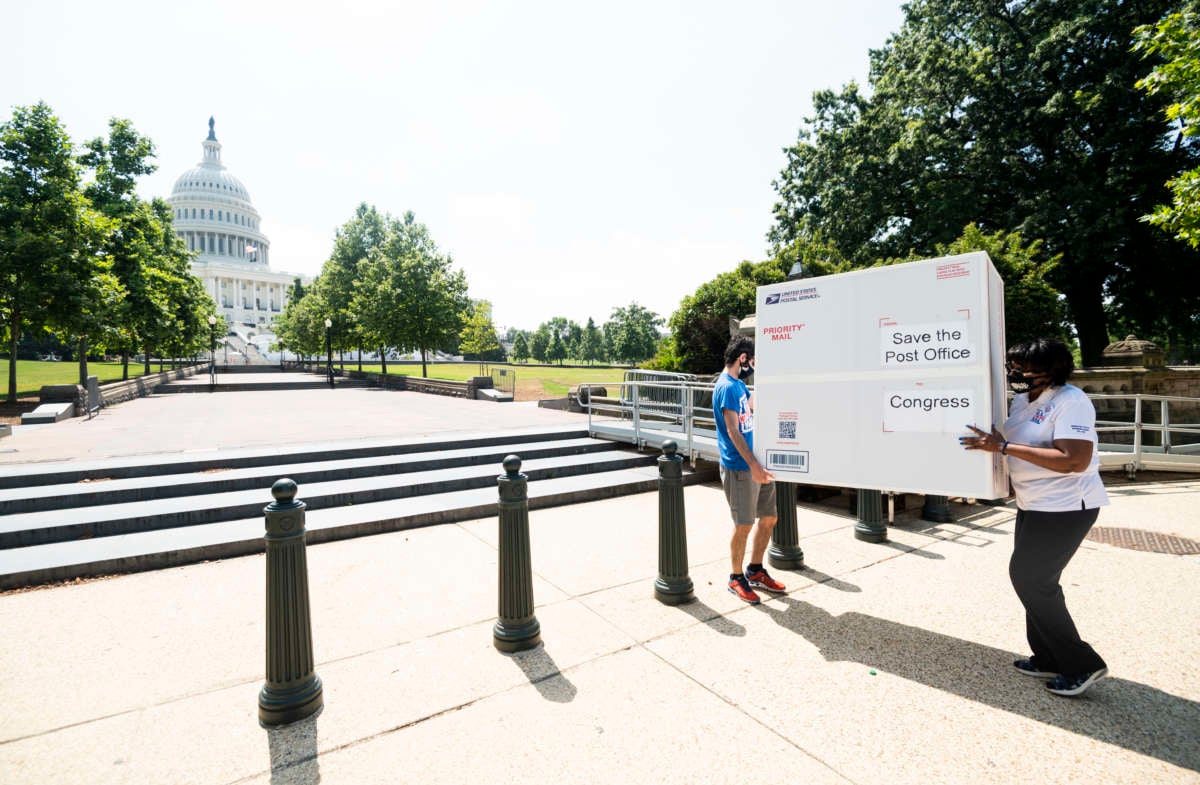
{"x": 737, "y": 345}
{"x": 1044, "y": 355}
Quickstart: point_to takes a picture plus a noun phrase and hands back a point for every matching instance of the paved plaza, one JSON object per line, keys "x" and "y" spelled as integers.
{"x": 883, "y": 663}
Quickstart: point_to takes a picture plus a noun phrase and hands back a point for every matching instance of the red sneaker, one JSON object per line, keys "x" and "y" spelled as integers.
{"x": 761, "y": 580}
{"x": 743, "y": 591}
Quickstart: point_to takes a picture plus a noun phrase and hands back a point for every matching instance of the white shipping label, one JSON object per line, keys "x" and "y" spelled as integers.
{"x": 922, "y": 345}
{"x": 928, "y": 411}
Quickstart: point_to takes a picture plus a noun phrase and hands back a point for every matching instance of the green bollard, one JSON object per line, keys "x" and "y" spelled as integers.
{"x": 673, "y": 586}
{"x": 293, "y": 690}
{"x": 785, "y": 552}
{"x": 870, "y": 527}
{"x": 517, "y": 628}
{"x": 937, "y": 509}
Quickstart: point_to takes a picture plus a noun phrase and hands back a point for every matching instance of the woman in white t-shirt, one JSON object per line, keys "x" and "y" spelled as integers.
{"x": 1051, "y": 445}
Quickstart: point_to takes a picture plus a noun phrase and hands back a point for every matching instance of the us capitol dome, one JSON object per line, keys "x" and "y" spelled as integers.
{"x": 214, "y": 216}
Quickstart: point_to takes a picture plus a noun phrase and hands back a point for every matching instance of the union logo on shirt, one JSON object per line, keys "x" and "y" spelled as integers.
{"x": 745, "y": 416}
{"x": 1041, "y": 414}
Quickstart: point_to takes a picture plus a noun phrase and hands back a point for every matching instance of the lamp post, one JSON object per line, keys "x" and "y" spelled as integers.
{"x": 329, "y": 352}
{"x": 212, "y": 347}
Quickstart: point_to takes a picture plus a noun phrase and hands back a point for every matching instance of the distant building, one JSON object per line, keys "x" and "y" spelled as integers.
{"x": 214, "y": 216}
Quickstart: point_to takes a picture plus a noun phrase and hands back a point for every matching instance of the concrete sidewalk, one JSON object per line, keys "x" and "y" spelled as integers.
{"x": 883, "y": 664}
{"x": 170, "y": 424}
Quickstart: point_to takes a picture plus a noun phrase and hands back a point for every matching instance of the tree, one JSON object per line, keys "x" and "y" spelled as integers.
{"x": 1032, "y": 307}
{"x": 1177, "y": 40}
{"x": 567, "y": 333}
{"x": 574, "y": 340}
{"x": 407, "y": 294}
{"x": 437, "y": 295}
{"x": 700, "y": 327}
{"x": 539, "y": 343}
{"x": 353, "y": 244}
{"x": 520, "y": 347}
{"x": 556, "y": 350}
{"x": 301, "y": 326}
{"x": 133, "y": 246}
{"x": 634, "y": 333}
{"x": 664, "y": 356}
{"x": 135, "y": 239}
{"x": 116, "y": 163}
{"x": 286, "y": 323}
{"x": 1019, "y": 116}
{"x": 183, "y": 326}
{"x": 478, "y": 334}
{"x": 591, "y": 344}
{"x": 44, "y": 256}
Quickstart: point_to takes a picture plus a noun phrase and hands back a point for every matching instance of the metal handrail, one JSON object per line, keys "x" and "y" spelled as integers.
{"x": 1169, "y": 454}
{"x": 678, "y": 413}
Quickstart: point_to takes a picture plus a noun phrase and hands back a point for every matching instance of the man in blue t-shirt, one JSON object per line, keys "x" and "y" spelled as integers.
{"x": 749, "y": 488}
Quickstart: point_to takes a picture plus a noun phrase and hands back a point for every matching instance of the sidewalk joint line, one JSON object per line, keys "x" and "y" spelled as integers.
{"x": 738, "y": 707}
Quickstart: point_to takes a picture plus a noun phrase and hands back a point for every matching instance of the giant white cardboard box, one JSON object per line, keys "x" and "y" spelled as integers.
{"x": 866, "y": 379}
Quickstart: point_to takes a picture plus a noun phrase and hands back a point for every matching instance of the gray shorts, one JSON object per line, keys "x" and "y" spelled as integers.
{"x": 747, "y": 499}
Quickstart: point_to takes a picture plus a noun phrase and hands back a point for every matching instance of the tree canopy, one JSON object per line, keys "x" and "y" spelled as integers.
{"x": 633, "y": 330}
{"x": 1017, "y": 117}
{"x": 80, "y": 254}
{"x": 43, "y": 221}
{"x": 700, "y": 326}
{"x": 1032, "y": 307}
{"x": 1176, "y": 39}
{"x": 478, "y": 335}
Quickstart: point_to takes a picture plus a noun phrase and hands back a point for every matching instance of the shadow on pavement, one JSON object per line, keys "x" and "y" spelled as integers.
{"x": 1116, "y": 711}
{"x": 713, "y": 618}
{"x": 293, "y": 751}
{"x": 924, "y": 554}
{"x": 543, "y": 673}
{"x": 816, "y": 576}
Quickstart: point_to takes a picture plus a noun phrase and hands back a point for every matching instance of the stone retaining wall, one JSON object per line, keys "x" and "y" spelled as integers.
{"x": 141, "y": 386}
{"x": 398, "y": 381}
{"x": 1177, "y": 380}
{"x": 65, "y": 393}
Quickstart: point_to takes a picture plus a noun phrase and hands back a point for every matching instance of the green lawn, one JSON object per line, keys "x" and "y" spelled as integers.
{"x": 32, "y": 374}
{"x": 534, "y": 382}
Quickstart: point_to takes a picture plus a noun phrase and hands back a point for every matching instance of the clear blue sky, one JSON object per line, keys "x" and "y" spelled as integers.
{"x": 571, "y": 157}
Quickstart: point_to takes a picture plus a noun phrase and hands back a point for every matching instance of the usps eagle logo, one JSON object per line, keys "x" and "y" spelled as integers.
{"x": 772, "y": 299}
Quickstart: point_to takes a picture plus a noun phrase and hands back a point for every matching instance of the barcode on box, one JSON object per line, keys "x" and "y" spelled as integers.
{"x": 788, "y": 460}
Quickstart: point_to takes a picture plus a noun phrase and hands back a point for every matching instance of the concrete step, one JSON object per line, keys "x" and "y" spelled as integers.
{"x": 199, "y": 384}
{"x": 90, "y": 493}
{"x": 222, "y": 368}
{"x": 23, "y": 476}
{"x": 37, "y": 564}
{"x": 36, "y": 528}
{"x": 48, "y": 413}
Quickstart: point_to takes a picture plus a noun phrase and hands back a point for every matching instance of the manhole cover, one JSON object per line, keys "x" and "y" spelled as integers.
{"x": 1142, "y": 540}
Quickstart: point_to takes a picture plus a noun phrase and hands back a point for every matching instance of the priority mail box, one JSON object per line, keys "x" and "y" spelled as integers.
{"x": 867, "y": 379}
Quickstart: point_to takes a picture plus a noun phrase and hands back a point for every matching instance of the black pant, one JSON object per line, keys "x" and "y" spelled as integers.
{"x": 1043, "y": 545}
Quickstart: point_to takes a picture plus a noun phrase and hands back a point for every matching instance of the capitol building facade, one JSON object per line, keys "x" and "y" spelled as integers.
{"x": 214, "y": 216}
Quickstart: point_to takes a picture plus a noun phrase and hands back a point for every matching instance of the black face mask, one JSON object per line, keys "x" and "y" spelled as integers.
{"x": 745, "y": 373}
{"x": 1018, "y": 382}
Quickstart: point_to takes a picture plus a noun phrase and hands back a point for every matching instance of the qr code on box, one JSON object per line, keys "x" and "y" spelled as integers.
{"x": 787, "y": 429}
